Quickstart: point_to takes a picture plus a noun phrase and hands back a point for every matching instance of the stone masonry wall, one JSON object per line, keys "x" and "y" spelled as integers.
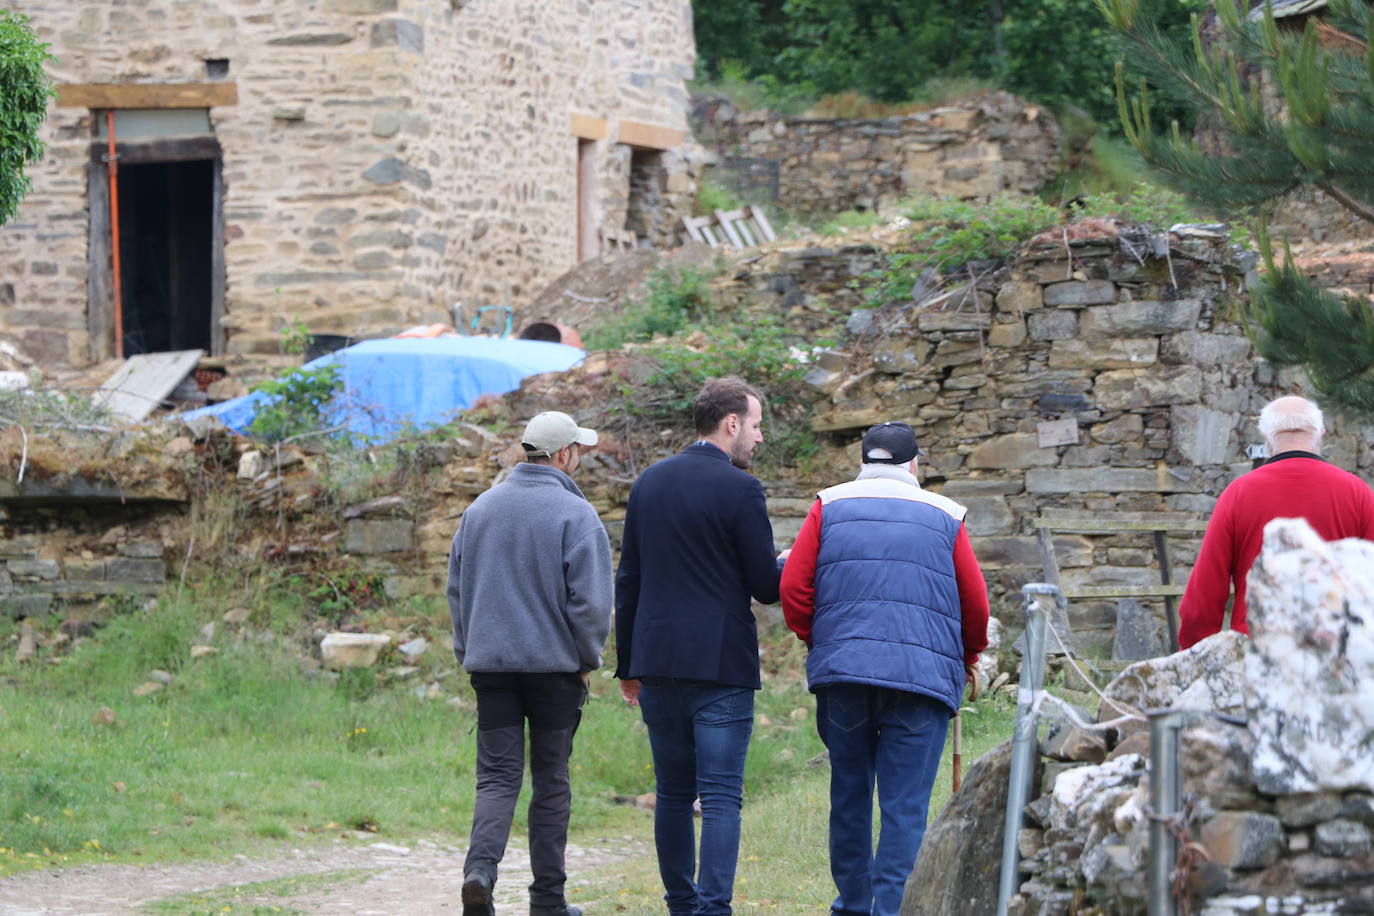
{"x": 971, "y": 150}
{"x": 1144, "y": 357}
{"x": 385, "y": 159}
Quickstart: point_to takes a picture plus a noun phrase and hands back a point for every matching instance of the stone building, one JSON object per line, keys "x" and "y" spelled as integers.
{"x": 359, "y": 165}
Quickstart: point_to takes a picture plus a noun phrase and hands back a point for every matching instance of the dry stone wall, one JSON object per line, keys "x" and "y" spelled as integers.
{"x": 1277, "y": 806}
{"x": 974, "y": 149}
{"x": 385, "y": 158}
{"x": 1143, "y": 356}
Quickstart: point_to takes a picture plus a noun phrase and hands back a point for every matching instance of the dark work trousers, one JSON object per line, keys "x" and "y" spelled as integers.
{"x": 552, "y": 703}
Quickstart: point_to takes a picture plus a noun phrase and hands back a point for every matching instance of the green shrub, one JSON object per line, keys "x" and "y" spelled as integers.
{"x": 674, "y": 298}
{"x": 713, "y": 196}
{"x": 848, "y": 219}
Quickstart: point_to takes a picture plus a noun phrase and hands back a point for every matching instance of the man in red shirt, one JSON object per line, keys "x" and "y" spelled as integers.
{"x": 1294, "y": 483}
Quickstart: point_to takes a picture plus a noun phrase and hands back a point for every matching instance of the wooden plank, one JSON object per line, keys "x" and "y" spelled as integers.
{"x": 146, "y": 95}
{"x": 143, "y": 381}
{"x": 648, "y": 136}
{"x": 217, "y": 330}
{"x": 1116, "y": 523}
{"x": 585, "y": 127}
{"x": 99, "y": 276}
{"x": 1166, "y": 577}
{"x": 1124, "y": 591}
{"x": 165, "y": 149}
{"x": 723, "y": 219}
{"x": 761, "y": 220}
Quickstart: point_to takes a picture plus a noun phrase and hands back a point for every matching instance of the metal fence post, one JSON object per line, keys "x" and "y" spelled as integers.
{"x": 1164, "y": 804}
{"x": 1038, "y": 600}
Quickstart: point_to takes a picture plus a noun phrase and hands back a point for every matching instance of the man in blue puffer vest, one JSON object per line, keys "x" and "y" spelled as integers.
{"x": 882, "y": 585}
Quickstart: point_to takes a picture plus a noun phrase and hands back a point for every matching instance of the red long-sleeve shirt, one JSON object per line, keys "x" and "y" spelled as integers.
{"x": 798, "y": 587}
{"x": 1335, "y": 503}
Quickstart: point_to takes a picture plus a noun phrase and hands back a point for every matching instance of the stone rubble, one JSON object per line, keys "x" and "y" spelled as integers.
{"x": 1281, "y": 827}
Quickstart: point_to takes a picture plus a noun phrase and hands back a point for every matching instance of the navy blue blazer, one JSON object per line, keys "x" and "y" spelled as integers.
{"x": 698, "y": 545}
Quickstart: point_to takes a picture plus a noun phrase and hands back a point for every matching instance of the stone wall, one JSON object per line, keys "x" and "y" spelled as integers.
{"x": 974, "y": 149}
{"x": 1142, "y": 355}
{"x": 384, "y": 159}
{"x": 68, "y": 558}
{"x": 1278, "y": 805}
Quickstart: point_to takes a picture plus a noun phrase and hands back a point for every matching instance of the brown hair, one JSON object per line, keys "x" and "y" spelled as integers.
{"x": 719, "y": 398}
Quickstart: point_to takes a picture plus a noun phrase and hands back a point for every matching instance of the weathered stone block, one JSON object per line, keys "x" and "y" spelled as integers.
{"x": 142, "y": 548}
{"x": 360, "y": 7}
{"x": 1019, "y": 297}
{"x": 1014, "y": 451}
{"x": 1103, "y": 480}
{"x": 1141, "y": 317}
{"x": 404, "y": 34}
{"x": 1009, "y": 335}
{"x": 1121, "y": 353}
{"x": 953, "y": 321}
{"x": 1157, "y": 683}
{"x": 352, "y": 650}
{"x": 1243, "y": 839}
{"x": 24, "y": 548}
{"x": 21, "y": 606}
{"x": 1202, "y": 349}
{"x": 135, "y": 570}
{"x": 1025, "y": 551}
{"x": 311, "y": 39}
{"x": 35, "y": 569}
{"x": 1204, "y": 436}
{"x": 1341, "y": 838}
{"x": 1133, "y": 389}
{"x": 1310, "y": 661}
{"x": 82, "y": 569}
{"x": 379, "y": 536}
{"x": 1080, "y": 292}
{"x": 1308, "y": 808}
{"x": 988, "y": 515}
{"x": 1053, "y": 324}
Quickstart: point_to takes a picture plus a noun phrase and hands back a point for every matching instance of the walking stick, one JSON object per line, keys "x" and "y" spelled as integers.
{"x": 959, "y": 730}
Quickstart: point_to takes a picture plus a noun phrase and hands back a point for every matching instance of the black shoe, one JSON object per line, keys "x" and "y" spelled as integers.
{"x": 477, "y": 896}
{"x": 563, "y": 910}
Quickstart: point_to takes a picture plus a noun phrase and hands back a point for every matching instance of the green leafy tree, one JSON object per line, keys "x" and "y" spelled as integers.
{"x": 1288, "y": 111}
{"x": 24, "y": 92}
{"x": 1057, "y": 52}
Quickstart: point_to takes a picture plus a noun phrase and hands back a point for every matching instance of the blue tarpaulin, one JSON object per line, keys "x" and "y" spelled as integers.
{"x": 403, "y": 383}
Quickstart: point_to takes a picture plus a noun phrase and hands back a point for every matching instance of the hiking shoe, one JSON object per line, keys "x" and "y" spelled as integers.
{"x": 562, "y": 910}
{"x": 477, "y": 896}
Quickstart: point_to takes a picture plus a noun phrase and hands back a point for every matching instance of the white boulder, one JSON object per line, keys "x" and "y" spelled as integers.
{"x": 1309, "y": 669}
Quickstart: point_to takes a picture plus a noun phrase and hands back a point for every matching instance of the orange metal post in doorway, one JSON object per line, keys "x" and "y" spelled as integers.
{"x": 112, "y": 167}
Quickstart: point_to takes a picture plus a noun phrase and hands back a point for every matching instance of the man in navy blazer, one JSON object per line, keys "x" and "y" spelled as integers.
{"x": 698, "y": 546}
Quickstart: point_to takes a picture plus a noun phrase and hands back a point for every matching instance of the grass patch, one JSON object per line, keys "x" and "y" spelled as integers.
{"x": 254, "y": 898}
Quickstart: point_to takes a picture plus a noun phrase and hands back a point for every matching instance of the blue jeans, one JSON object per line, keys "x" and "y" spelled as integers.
{"x": 896, "y": 738}
{"x": 699, "y": 736}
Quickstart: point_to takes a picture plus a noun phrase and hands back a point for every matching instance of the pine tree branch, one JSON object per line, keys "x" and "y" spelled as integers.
{"x": 1361, "y": 210}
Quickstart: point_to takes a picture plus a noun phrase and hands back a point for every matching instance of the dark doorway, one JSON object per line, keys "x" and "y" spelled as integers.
{"x": 648, "y": 215}
{"x": 166, "y": 223}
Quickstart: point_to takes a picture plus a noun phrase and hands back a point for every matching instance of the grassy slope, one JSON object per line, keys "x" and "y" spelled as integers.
{"x": 242, "y": 751}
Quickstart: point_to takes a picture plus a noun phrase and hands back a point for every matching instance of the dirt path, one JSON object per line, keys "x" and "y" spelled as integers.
{"x": 362, "y": 877}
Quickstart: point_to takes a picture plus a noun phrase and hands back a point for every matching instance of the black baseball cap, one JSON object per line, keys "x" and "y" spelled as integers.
{"x": 897, "y": 440}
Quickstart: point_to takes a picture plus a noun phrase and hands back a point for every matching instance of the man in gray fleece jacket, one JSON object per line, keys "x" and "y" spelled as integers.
{"x": 529, "y": 590}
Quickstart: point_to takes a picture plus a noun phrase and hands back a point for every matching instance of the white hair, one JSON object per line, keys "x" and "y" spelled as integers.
{"x": 1290, "y": 414}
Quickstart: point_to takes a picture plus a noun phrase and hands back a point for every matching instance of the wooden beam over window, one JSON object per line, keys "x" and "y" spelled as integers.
{"x": 585, "y": 127}
{"x": 649, "y": 136}
{"x": 146, "y": 95}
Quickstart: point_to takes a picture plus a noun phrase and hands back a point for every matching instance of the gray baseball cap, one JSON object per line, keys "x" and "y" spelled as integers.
{"x": 552, "y": 430}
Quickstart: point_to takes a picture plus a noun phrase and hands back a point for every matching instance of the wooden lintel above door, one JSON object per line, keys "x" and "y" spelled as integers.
{"x": 146, "y": 95}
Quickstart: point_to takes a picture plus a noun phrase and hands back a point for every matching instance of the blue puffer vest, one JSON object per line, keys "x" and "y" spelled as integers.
{"x": 887, "y": 605}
